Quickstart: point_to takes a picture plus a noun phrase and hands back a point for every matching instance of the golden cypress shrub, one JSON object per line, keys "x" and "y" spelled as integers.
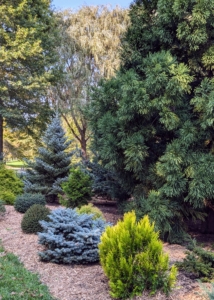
{"x": 90, "y": 209}
{"x": 132, "y": 257}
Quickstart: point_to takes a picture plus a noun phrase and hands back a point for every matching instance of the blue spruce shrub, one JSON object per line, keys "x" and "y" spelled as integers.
{"x": 70, "y": 237}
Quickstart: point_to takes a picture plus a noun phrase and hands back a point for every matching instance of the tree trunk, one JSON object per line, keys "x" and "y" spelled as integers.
{"x": 1, "y": 138}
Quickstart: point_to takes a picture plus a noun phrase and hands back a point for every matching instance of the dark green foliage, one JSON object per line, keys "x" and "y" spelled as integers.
{"x": 52, "y": 165}
{"x": 10, "y": 185}
{"x": 25, "y": 201}
{"x": 77, "y": 189}
{"x": 2, "y": 209}
{"x": 198, "y": 262}
{"x": 30, "y": 221}
{"x": 153, "y": 122}
{"x": 70, "y": 237}
{"x": 132, "y": 257}
{"x": 105, "y": 182}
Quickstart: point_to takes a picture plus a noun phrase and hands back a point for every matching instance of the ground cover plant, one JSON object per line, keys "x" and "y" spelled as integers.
{"x": 132, "y": 257}
{"x": 198, "y": 262}
{"x": 18, "y": 283}
{"x": 70, "y": 237}
{"x": 26, "y": 200}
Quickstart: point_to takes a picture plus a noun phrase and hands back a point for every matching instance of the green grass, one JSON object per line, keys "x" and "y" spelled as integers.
{"x": 16, "y": 164}
{"x": 18, "y": 283}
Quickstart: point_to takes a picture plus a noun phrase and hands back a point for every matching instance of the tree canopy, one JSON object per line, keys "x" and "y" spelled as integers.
{"x": 27, "y": 56}
{"x": 89, "y": 50}
{"x": 153, "y": 122}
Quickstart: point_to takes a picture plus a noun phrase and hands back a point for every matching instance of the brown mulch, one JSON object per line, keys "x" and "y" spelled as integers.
{"x": 81, "y": 282}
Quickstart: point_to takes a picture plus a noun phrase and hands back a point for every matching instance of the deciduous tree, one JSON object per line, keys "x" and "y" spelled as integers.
{"x": 89, "y": 50}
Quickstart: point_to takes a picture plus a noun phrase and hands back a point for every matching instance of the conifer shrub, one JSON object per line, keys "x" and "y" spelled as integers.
{"x": 2, "y": 209}
{"x": 10, "y": 185}
{"x": 51, "y": 167}
{"x": 8, "y": 197}
{"x": 198, "y": 262}
{"x": 91, "y": 209}
{"x": 25, "y": 201}
{"x": 132, "y": 258}
{"x": 30, "y": 221}
{"x": 77, "y": 189}
{"x": 70, "y": 237}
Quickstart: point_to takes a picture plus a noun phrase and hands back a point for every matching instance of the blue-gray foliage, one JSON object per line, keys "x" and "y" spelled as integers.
{"x": 52, "y": 165}
{"x": 70, "y": 237}
{"x": 25, "y": 201}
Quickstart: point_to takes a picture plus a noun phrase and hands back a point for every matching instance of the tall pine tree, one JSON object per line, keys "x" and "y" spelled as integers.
{"x": 52, "y": 165}
{"x": 153, "y": 123}
{"x": 28, "y": 39}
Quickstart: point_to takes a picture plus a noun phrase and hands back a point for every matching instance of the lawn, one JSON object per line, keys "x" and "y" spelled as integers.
{"x": 16, "y": 164}
{"x": 18, "y": 283}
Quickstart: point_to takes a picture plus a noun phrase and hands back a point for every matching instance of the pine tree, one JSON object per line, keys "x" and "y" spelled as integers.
{"x": 28, "y": 38}
{"x": 52, "y": 165}
{"x": 153, "y": 123}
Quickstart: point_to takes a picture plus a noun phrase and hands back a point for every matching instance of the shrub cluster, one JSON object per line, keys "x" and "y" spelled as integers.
{"x": 131, "y": 255}
{"x": 77, "y": 189}
{"x": 10, "y": 185}
{"x": 25, "y": 201}
{"x": 30, "y": 222}
{"x": 90, "y": 209}
{"x": 70, "y": 237}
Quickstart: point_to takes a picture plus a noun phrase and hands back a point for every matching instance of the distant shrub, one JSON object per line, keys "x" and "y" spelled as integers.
{"x": 2, "y": 209}
{"x": 90, "y": 209}
{"x": 25, "y": 201}
{"x": 131, "y": 255}
{"x": 30, "y": 221}
{"x": 77, "y": 189}
{"x": 105, "y": 182}
{"x": 10, "y": 185}
{"x": 70, "y": 237}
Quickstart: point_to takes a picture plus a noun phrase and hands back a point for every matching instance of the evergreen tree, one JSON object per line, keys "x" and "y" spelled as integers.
{"x": 52, "y": 165}
{"x": 153, "y": 122}
{"x": 28, "y": 36}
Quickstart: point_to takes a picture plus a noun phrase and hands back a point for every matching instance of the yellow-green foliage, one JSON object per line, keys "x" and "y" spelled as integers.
{"x": 90, "y": 209}
{"x": 10, "y": 185}
{"x": 132, "y": 257}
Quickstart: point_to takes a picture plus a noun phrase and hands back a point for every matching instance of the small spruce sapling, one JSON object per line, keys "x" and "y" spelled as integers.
{"x": 52, "y": 165}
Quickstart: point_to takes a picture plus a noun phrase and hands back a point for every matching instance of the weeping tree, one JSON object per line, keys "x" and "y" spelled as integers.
{"x": 51, "y": 167}
{"x": 153, "y": 122}
{"x": 28, "y": 36}
{"x": 89, "y": 50}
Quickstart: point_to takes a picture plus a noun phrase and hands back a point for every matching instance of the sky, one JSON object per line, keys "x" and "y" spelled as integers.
{"x": 64, "y": 4}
